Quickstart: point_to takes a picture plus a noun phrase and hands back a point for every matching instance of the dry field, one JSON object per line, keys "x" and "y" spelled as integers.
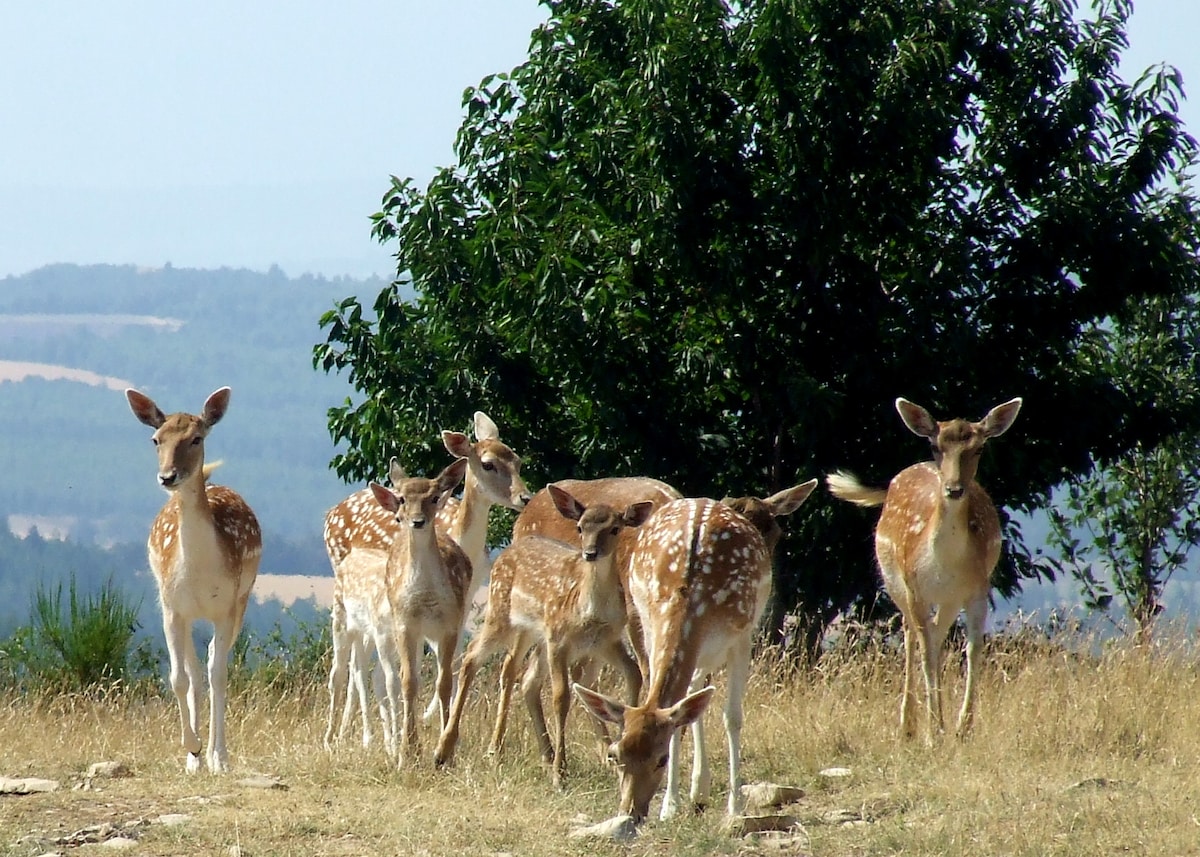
{"x": 1071, "y": 755}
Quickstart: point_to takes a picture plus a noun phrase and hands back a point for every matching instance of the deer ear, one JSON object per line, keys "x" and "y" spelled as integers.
{"x": 790, "y": 499}
{"x": 456, "y": 444}
{"x": 384, "y": 497}
{"x": 689, "y": 709}
{"x": 449, "y": 478}
{"x": 601, "y": 707}
{"x": 917, "y": 419}
{"x": 215, "y": 407}
{"x": 485, "y": 429}
{"x": 567, "y": 505}
{"x": 638, "y": 513}
{"x": 396, "y": 473}
{"x": 144, "y": 409}
{"x": 1000, "y": 418}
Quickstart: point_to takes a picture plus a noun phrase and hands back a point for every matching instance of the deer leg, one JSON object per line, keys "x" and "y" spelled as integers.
{"x": 338, "y": 679}
{"x": 908, "y": 726}
{"x": 926, "y": 637}
{"x": 185, "y": 670}
{"x": 488, "y": 642}
{"x": 446, "y": 652}
{"x": 670, "y": 803}
{"x": 585, "y": 673}
{"x": 738, "y": 676}
{"x": 976, "y": 613}
{"x": 410, "y": 648}
{"x": 560, "y": 676}
{"x": 508, "y": 676}
{"x": 531, "y": 689}
{"x": 218, "y": 684}
{"x": 385, "y": 650}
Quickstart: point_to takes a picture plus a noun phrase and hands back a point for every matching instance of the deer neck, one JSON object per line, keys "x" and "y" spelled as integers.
{"x": 414, "y": 558}
{"x": 195, "y": 514}
{"x": 674, "y": 651}
{"x": 470, "y": 525}
{"x": 600, "y": 593}
{"x": 950, "y": 529}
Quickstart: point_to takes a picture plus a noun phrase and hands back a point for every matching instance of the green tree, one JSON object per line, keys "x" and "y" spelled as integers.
{"x": 1126, "y": 526}
{"x": 711, "y": 242}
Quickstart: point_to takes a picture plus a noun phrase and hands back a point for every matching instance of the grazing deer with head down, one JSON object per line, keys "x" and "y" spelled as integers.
{"x": 360, "y": 525}
{"x": 423, "y": 596}
{"x": 204, "y": 550}
{"x": 699, "y": 578}
{"x": 937, "y": 542}
{"x": 566, "y": 598}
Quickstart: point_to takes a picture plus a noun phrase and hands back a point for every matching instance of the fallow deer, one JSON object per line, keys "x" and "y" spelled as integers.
{"x": 699, "y": 579}
{"x": 566, "y": 598}
{"x": 204, "y": 550}
{"x": 541, "y": 518}
{"x": 360, "y": 524}
{"x": 937, "y": 542}
{"x": 423, "y": 596}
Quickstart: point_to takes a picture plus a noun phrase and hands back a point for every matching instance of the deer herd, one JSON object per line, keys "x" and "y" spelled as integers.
{"x": 624, "y": 572}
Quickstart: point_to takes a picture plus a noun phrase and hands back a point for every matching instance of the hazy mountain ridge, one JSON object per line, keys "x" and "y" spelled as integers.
{"x": 72, "y": 450}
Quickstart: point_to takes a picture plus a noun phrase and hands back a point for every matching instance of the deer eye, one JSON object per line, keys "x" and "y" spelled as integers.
{"x": 615, "y": 530}
{"x": 489, "y": 466}
{"x": 662, "y": 763}
{"x": 196, "y": 440}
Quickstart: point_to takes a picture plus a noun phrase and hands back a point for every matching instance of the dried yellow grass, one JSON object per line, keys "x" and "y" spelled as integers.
{"x": 1072, "y": 754}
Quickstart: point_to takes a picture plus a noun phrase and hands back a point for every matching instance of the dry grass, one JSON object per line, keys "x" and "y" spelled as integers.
{"x": 1071, "y": 755}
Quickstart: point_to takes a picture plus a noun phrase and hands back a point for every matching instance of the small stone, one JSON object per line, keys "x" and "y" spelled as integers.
{"x": 173, "y": 819}
{"x": 767, "y": 795}
{"x": 26, "y": 785}
{"x": 119, "y": 843}
{"x": 835, "y": 772}
{"x": 619, "y": 829}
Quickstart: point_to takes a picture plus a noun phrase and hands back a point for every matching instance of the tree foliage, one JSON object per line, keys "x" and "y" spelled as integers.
{"x": 711, "y": 242}
{"x": 1127, "y": 526}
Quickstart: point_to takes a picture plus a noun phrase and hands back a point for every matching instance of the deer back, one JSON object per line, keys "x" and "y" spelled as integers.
{"x": 699, "y": 577}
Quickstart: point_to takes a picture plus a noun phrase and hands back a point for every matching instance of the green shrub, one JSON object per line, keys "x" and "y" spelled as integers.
{"x": 82, "y": 645}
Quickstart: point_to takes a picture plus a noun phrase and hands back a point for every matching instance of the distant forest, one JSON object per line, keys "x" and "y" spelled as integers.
{"x": 73, "y": 453}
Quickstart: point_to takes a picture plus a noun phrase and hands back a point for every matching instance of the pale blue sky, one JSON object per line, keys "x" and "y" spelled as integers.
{"x": 234, "y": 133}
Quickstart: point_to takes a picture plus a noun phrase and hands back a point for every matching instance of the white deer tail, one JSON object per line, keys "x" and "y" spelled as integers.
{"x": 845, "y": 487}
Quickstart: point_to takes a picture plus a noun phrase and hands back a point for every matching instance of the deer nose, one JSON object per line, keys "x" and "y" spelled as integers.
{"x": 524, "y": 498}
{"x": 954, "y": 492}
{"x": 166, "y": 480}
{"x": 417, "y": 523}
{"x": 591, "y": 554}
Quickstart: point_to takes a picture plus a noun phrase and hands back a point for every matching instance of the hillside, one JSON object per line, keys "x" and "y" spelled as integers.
{"x": 77, "y": 464}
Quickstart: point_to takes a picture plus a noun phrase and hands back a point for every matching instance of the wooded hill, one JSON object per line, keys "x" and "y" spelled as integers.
{"x": 75, "y": 459}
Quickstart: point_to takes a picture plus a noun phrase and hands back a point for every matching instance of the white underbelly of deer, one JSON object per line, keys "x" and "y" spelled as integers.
{"x": 941, "y": 566}
{"x": 196, "y": 586}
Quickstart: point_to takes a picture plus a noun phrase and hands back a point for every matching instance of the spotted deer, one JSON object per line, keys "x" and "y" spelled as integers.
{"x": 564, "y": 597}
{"x": 699, "y": 579}
{"x": 421, "y": 598}
{"x": 937, "y": 542}
{"x": 360, "y": 525}
{"x": 541, "y": 517}
{"x": 204, "y": 550}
